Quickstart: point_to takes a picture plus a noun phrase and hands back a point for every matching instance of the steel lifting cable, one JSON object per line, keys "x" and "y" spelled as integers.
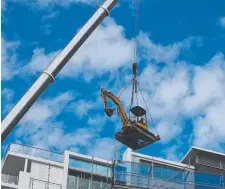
{"x": 124, "y": 88}
{"x": 136, "y": 27}
{"x": 148, "y": 109}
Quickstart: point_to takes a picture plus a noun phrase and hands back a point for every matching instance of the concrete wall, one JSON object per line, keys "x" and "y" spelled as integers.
{"x": 24, "y": 180}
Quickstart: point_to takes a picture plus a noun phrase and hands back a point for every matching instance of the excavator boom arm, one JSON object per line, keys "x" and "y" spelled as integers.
{"x": 105, "y": 94}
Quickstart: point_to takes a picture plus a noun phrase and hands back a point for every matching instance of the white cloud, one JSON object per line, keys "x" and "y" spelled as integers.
{"x": 51, "y": 15}
{"x": 104, "y": 148}
{"x": 7, "y": 94}
{"x": 209, "y": 103}
{"x": 177, "y": 92}
{"x": 168, "y": 130}
{"x": 49, "y": 137}
{"x": 159, "y": 53}
{"x": 164, "y": 91}
{"x": 48, "y": 3}
{"x": 39, "y": 61}
{"x": 98, "y": 121}
{"x": 10, "y": 64}
{"x": 209, "y": 130}
{"x": 207, "y": 85}
{"x": 3, "y": 5}
{"x": 222, "y": 22}
{"x": 172, "y": 87}
{"x": 105, "y": 50}
{"x": 172, "y": 153}
{"x": 7, "y": 99}
{"x": 43, "y": 112}
{"x": 82, "y": 107}
{"x": 40, "y": 126}
{"x": 174, "y": 92}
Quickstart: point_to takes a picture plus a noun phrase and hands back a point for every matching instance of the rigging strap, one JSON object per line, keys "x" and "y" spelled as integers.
{"x": 148, "y": 110}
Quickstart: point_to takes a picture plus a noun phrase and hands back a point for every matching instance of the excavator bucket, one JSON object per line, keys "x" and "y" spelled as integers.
{"x": 135, "y": 137}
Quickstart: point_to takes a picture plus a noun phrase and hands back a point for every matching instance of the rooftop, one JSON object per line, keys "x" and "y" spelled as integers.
{"x": 201, "y": 151}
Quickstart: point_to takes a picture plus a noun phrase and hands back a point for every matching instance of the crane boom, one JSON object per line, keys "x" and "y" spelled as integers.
{"x": 109, "y": 111}
{"x": 49, "y": 74}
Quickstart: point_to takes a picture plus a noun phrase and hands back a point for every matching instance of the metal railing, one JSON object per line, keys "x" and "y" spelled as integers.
{"x": 36, "y": 152}
{"x": 90, "y": 167}
{"x": 151, "y": 176}
{"x": 40, "y": 184}
{"x": 10, "y": 179}
{"x": 85, "y": 181}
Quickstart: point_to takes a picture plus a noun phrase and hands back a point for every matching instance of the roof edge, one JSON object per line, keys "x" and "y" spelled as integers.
{"x": 202, "y": 149}
{"x": 165, "y": 161}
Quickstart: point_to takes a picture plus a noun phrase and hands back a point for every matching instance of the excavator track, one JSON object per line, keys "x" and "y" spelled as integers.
{"x": 135, "y": 137}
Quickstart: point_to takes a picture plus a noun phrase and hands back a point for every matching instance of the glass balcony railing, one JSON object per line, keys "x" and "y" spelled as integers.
{"x": 148, "y": 176}
{"x": 10, "y": 179}
{"x": 90, "y": 167}
{"x": 36, "y": 152}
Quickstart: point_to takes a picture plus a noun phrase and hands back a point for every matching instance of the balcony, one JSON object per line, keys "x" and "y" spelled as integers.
{"x": 10, "y": 179}
{"x": 36, "y": 152}
{"x": 36, "y": 183}
{"x": 139, "y": 175}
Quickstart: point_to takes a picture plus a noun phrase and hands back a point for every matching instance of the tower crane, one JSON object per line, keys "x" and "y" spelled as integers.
{"x": 48, "y": 75}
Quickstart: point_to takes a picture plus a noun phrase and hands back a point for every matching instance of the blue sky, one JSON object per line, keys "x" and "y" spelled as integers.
{"x": 182, "y": 73}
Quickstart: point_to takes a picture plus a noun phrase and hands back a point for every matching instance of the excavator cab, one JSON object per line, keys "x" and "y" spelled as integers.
{"x": 137, "y": 135}
{"x": 139, "y": 114}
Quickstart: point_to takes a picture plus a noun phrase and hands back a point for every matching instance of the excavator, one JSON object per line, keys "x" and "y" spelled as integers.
{"x": 135, "y": 133}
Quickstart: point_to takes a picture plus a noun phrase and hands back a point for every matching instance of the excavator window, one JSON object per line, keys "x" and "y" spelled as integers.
{"x": 142, "y": 120}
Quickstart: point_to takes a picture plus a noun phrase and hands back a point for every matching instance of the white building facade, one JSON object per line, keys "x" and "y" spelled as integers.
{"x": 26, "y": 167}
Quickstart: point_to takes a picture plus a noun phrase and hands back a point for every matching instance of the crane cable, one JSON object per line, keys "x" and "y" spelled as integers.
{"x": 124, "y": 88}
{"x": 136, "y": 28}
{"x": 148, "y": 110}
{"x": 136, "y": 4}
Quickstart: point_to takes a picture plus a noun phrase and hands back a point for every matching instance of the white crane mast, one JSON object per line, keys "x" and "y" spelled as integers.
{"x": 49, "y": 74}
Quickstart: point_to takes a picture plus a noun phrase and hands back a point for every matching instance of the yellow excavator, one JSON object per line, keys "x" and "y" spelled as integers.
{"x": 135, "y": 133}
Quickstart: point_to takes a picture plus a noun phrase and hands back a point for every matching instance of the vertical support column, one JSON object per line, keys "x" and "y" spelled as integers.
{"x": 25, "y": 165}
{"x": 65, "y": 169}
{"x": 138, "y": 172}
{"x": 152, "y": 172}
{"x": 48, "y": 175}
{"x": 107, "y": 180}
{"x": 184, "y": 178}
{"x": 89, "y": 184}
{"x": 92, "y": 164}
{"x": 78, "y": 182}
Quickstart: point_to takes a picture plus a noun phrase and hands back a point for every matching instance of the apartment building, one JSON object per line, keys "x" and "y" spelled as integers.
{"x": 26, "y": 167}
